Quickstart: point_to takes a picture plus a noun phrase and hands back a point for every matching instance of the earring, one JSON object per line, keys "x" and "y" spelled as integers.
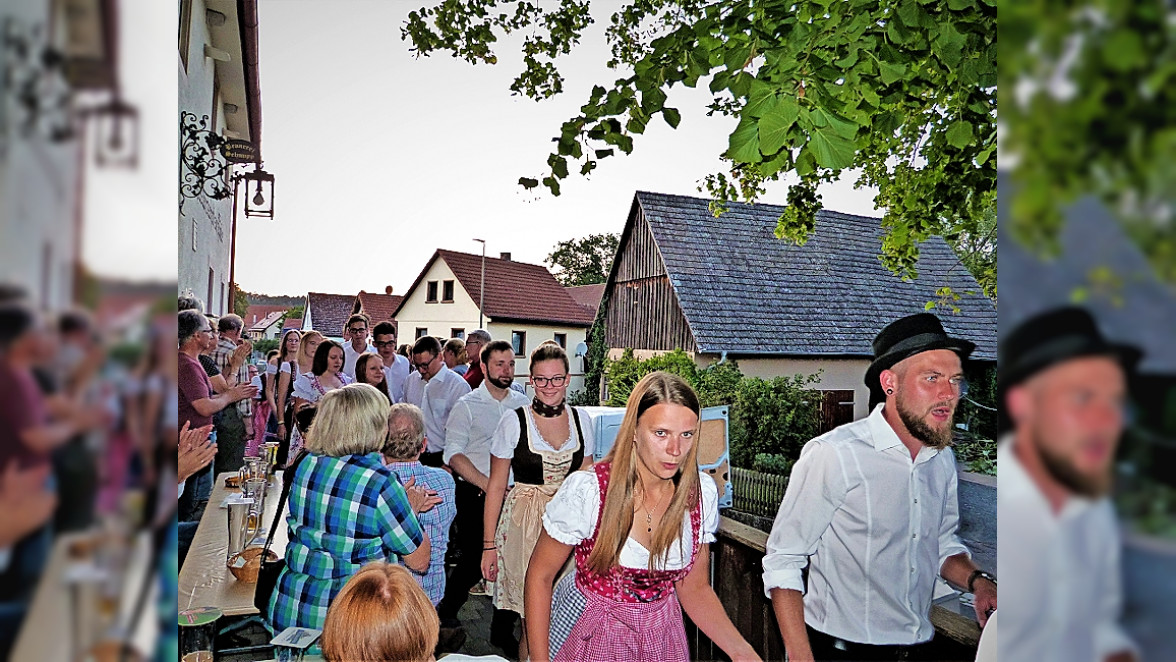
{"x": 889, "y": 391}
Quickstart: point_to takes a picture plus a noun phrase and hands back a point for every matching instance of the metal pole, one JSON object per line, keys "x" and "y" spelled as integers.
{"x": 482, "y": 285}
{"x": 233, "y": 247}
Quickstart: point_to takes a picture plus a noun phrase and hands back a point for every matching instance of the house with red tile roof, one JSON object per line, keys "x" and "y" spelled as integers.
{"x": 268, "y": 327}
{"x": 378, "y": 307}
{"x": 521, "y": 303}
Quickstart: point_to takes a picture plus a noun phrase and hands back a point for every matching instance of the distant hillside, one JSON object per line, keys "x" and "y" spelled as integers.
{"x": 274, "y": 300}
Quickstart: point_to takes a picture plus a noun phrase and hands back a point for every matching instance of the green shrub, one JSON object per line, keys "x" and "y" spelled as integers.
{"x": 773, "y": 463}
{"x": 622, "y": 375}
{"x": 778, "y": 416}
{"x": 264, "y": 345}
{"x": 583, "y": 398}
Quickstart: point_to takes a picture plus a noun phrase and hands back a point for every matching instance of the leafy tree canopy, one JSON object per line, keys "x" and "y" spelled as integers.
{"x": 1090, "y": 108}
{"x": 905, "y": 90}
{"x": 584, "y": 261}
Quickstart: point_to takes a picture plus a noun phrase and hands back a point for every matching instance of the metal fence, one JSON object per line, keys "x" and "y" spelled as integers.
{"x": 757, "y": 492}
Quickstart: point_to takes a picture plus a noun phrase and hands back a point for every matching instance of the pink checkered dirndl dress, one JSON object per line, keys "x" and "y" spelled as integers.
{"x": 628, "y": 613}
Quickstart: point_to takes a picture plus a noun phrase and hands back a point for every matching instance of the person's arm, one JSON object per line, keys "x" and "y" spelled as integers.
{"x": 546, "y": 561}
{"x": 195, "y": 451}
{"x": 955, "y": 564}
{"x": 457, "y": 438}
{"x": 495, "y": 493}
{"x": 418, "y": 560}
{"x": 283, "y": 388}
{"x": 269, "y": 393}
{"x": 25, "y": 503}
{"x": 219, "y": 385}
{"x": 47, "y": 437}
{"x": 403, "y": 528}
{"x": 1111, "y": 641}
{"x": 703, "y": 607}
{"x": 210, "y": 406}
{"x": 815, "y": 491}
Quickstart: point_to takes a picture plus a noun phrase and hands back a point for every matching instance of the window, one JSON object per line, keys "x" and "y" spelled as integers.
{"x": 224, "y": 304}
{"x": 562, "y": 339}
{"x": 211, "y": 280}
{"x": 420, "y": 333}
{"x": 431, "y": 292}
{"x": 185, "y": 30}
{"x": 457, "y": 333}
{"x": 518, "y": 340}
{"x": 447, "y": 292}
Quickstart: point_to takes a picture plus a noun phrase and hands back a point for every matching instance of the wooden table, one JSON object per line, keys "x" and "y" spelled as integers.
{"x": 205, "y": 580}
{"x": 47, "y": 633}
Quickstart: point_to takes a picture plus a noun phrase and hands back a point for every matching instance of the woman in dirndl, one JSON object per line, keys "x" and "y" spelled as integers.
{"x": 640, "y": 524}
{"x": 541, "y": 444}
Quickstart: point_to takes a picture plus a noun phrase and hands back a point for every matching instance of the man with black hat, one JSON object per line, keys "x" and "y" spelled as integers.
{"x": 872, "y": 510}
{"x": 1062, "y": 388}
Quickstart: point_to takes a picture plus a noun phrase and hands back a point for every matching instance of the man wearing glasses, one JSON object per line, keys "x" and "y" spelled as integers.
{"x": 396, "y": 367}
{"x": 356, "y": 330}
{"x": 435, "y": 389}
{"x": 872, "y": 510}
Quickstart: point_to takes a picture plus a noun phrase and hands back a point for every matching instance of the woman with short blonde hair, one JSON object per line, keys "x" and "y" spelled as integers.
{"x": 381, "y": 614}
{"x": 346, "y": 508}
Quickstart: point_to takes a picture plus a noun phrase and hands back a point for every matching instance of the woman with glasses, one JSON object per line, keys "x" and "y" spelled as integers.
{"x": 326, "y": 374}
{"x": 542, "y": 443}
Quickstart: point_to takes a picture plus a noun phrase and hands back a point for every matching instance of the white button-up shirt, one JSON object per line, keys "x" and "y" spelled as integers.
{"x": 350, "y": 356}
{"x": 473, "y": 421}
{"x": 396, "y": 375}
{"x": 1060, "y": 574}
{"x": 873, "y": 526}
{"x": 436, "y": 399}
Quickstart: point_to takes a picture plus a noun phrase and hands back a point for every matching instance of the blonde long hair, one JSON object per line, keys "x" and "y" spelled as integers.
{"x": 654, "y": 389}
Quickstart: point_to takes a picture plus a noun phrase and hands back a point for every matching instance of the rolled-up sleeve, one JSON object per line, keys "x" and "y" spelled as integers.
{"x": 816, "y": 489}
{"x": 949, "y": 539}
{"x": 404, "y": 532}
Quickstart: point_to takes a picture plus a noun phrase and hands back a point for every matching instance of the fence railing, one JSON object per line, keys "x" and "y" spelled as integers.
{"x": 756, "y": 492}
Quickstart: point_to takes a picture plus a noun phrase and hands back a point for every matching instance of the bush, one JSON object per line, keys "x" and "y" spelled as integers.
{"x": 583, "y": 398}
{"x": 622, "y": 375}
{"x": 264, "y": 345}
{"x": 776, "y": 416}
{"x": 773, "y": 463}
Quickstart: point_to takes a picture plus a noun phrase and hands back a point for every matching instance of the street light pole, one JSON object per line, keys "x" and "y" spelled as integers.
{"x": 482, "y": 285}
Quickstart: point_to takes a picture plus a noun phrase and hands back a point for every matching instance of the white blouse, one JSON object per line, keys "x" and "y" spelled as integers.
{"x": 303, "y": 388}
{"x": 506, "y": 436}
{"x": 571, "y": 517}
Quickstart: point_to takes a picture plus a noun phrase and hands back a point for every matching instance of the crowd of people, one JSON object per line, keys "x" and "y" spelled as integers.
{"x": 460, "y": 477}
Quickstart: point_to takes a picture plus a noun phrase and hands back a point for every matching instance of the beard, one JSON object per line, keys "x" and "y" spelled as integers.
{"x": 932, "y": 437}
{"x": 1062, "y": 469}
{"x": 501, "y": 382}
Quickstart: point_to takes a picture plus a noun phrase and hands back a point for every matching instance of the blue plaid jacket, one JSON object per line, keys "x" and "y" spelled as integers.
{"x": 436, "y": 522}
{"x": 345, "y": 512}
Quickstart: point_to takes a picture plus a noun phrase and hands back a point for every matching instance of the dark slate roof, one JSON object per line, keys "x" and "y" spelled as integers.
{"x": 329, "y": 312}
{"x": 587, "y": 295}
{"x": 514, "y": 290}
{"x": 1142, "y": 312}
{"x": 744, "y": 291}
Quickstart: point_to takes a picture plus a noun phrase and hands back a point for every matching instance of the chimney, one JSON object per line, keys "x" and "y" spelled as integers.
{"x": 388, "y": 290}
{"x": 504, "y": 256}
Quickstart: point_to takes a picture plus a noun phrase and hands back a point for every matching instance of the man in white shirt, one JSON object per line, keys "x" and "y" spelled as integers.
{"x": 1063, "y": 388}
{"x": 396, "y": 367}
{"x": 468, "y": 434}
{"x": 355, "y": 342}
{"x": 435, "y": 389}
{"x": 872, "y": 510}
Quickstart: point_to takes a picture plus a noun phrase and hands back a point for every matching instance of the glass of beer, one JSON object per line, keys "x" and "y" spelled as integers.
{"x": 197, "y": 631}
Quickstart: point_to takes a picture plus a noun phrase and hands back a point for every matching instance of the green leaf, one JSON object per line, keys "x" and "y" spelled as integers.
{"x": 672, "y": 116}
{"x": 930, "y": 305}
{"x": 602, "y": 153}
{"x": 891, "y": 71}
{"x": 528, "y": 183}
{"x": 774, "y": 127}
{"x": 743, "y": 144}
{"x": 805, "y": 163}
{"x": 1124, "y": 50}
{"x": 831, "y": 150}
{"x": 959, "y": 134}
{"x": 761, "y": 100}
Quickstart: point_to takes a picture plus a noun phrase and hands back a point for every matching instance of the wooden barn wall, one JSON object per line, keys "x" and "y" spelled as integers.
{"x": 643, "y": 312}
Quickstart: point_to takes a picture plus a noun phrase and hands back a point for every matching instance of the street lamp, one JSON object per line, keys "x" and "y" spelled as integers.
{"x": 482, "y": 286}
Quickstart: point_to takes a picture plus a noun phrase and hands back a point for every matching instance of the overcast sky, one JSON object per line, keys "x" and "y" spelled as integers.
{"x": 381, "y": 158}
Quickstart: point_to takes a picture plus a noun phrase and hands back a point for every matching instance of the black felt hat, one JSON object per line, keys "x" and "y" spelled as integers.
{"x": 903, "y": 338}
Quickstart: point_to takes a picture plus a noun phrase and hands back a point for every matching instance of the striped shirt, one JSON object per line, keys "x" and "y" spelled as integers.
{"x": 435, "y": 521}
{"x": 344, "y": 512}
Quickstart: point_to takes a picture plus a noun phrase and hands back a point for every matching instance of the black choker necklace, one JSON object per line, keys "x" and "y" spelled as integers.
{"x": 545, "y": 410}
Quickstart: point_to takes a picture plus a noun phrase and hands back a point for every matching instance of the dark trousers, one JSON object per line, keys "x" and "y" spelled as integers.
{"x": 470, "y": 503}
{"x": 826, "y": 647}
{"x": 230, "y": 440}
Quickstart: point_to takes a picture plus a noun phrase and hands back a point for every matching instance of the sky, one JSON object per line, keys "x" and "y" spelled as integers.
{"x": 381, "y": 158}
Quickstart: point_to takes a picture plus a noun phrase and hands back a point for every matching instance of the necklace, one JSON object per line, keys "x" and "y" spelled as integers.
{"x": 648, "y": 513}
{"x": 545, "y": 410}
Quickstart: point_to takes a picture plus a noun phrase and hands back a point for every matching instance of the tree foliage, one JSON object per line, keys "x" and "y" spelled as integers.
{"x": 905, "y": 90}
{"x": 240, "y": 302}
{"x": 1089, "y": 108}
{"x": 584, "y": 261}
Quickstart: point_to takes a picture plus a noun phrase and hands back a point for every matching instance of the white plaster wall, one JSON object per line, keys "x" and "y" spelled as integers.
{"x": 438, "y": 318}
{"x": 536, "y": 334}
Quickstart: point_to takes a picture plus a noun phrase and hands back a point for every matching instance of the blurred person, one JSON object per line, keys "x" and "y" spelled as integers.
{"x": 293, "y": 360}
{"x": 475, "y": 341}
{"x": 194, "y": 454}
{"x": 396, "y": 367}
{"x": 345, "y": 508}
{"x": 1063, "y": 387}
{"x": 872, "y": 510}
{"x": 197, "y": 402}
{"x": 380, "y": 614}
{"x": 469, "y": 432}
{"x": 234, "y": 425}
{"x": 326, "y": 374}
{"x": 355, "y": 342}
{"x": 369, "y": 369}
{"x": 405, "y": 350}
{"x": 453, "y": 352}
{"x": 640, "y": 524}
{"x": 435, "y": 389}
{"x": 264, "y": 418}
{"x": 540, "y": 445}
{"x": 402, "y": 450}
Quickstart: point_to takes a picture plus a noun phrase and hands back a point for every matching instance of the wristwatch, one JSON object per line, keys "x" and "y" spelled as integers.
{"x": 979, "y": 574}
